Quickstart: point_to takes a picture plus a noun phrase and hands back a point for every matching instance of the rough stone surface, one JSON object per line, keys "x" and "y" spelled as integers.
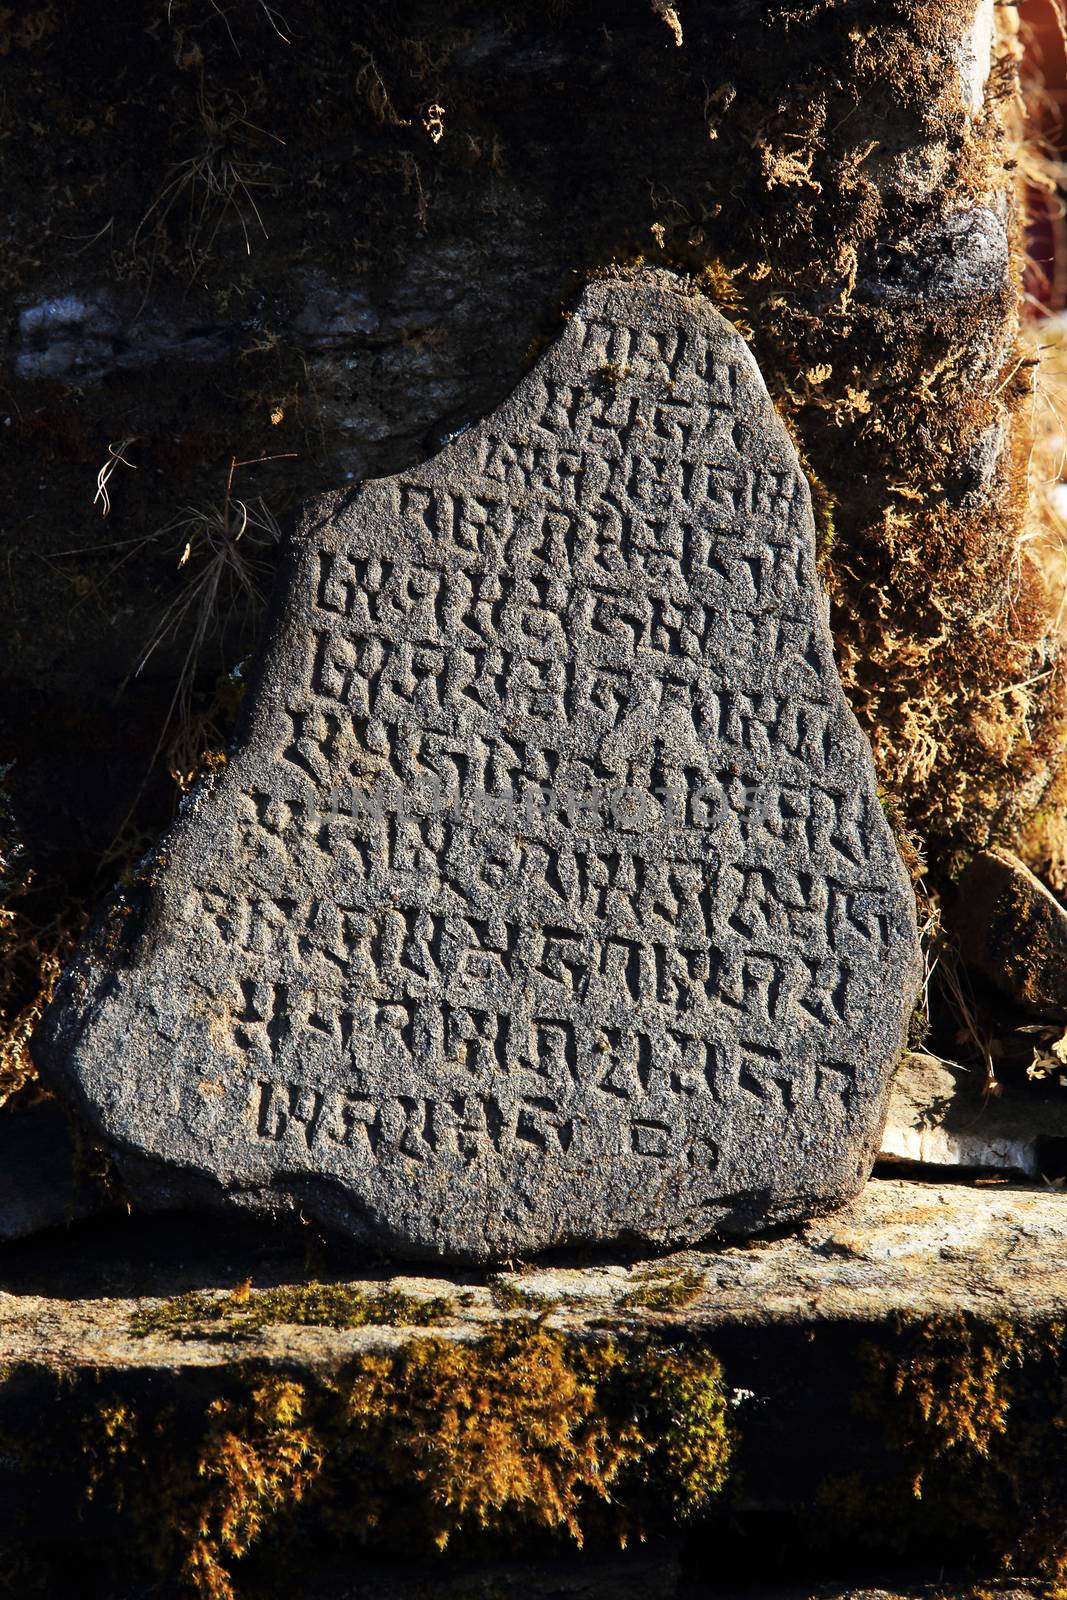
{"x": 85, "y": 338}
{"x": 546, "y": 897}
{"x": 940, "y": 1117}
{"x": 974, "y": 55}
{"x": 960, "y": 262}
{"x": 1013, "y": 931}
{"x": 901, "y": 1249}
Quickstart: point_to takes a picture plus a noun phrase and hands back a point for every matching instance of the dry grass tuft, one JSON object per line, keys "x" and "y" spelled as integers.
{"x": 1042, "y": 557}
{"x": 211, "y": 188}
{"x": 223, "y": 552}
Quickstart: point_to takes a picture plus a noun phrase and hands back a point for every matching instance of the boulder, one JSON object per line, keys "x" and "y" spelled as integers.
{"x": 546, "y": 897}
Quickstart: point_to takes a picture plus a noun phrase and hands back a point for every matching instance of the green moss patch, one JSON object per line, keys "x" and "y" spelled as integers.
{"x": 507, "y": 1295}
{"x": 246, "y": 1311}
{"x": 664, "y": 1292}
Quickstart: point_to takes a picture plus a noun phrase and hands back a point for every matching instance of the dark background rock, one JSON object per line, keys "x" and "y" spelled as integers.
{"x": 1012, "y": 930}
{"x": 44, "y": 1182}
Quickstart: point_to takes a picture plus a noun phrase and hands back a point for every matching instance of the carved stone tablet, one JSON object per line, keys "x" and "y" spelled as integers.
{"x": 546, "y": 896}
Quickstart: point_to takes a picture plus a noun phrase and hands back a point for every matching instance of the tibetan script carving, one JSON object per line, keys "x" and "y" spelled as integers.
{"x": 546, "y": 896}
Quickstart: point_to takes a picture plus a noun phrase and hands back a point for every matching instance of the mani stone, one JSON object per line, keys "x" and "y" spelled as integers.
{"x": 546, "y": 897}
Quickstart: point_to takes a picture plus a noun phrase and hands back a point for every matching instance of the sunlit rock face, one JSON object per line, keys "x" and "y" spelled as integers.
{"x": 546, "y": 896}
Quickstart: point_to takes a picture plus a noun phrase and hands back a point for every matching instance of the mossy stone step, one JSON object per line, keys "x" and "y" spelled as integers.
{"x": 188, "y": 1399}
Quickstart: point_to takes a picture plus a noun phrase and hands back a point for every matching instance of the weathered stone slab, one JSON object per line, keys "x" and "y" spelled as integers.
{"x": 97, "y": 1297}
{"x": 546, "y": 896}
{"x": 939, "y": 1116}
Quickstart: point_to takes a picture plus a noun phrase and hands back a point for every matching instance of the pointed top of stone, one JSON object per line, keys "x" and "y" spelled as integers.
{"x": 546, "y": 897}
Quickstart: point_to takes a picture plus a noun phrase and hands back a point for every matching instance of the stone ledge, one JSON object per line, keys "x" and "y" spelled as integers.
{"x": 904, "y": 1248}
{"x": 771, "y": 1401}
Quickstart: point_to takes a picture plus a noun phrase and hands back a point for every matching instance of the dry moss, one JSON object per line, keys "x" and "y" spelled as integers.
{"x": 953, "y": 1448}
{"x": 524, "y": 1430}
{"x": 975, "y": 1413}
{"x": 195, "y": 1514}
{"x": 38, "y": 931}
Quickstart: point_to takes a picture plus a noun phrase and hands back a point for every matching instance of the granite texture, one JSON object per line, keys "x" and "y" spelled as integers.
{"x": 546, "y": 897}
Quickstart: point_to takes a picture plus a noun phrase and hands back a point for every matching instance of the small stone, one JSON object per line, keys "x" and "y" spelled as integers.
{"x": 1013, "y": 930}
{"x": 939, "y": 1116}
{"x": 85, "y": 338}
{"x": 974, "y": 56}
{"x": 973, "y": 478}
{"x": 546, "y": 896}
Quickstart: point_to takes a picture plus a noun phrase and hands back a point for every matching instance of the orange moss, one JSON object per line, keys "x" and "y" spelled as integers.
{"x": 524, "y": 1430}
